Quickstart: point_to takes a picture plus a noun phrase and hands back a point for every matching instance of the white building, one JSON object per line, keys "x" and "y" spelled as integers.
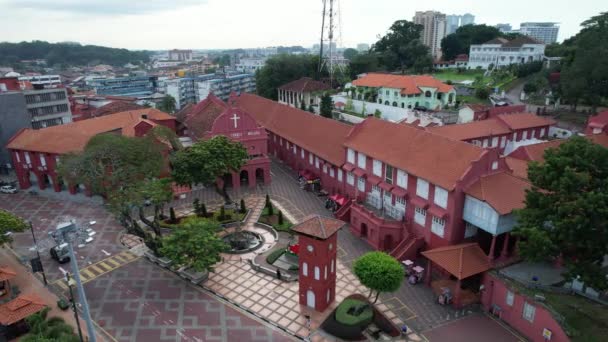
{"x": 502, "y": 52}
{"x": 166, "y": 64}
{"x": 434, "y": 30}
{"x": 543, "y": 32}
{"x": 250, "y": 65}
{"x": 180, "y": 55}
{"x": 44, "y": 80}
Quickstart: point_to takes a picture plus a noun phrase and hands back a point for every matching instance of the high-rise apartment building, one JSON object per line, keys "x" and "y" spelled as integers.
{"x": 453, "y": 22}
{"x": 504, "y": 27}
{"x": 544, "y": 32}
{"x": 434, "y": 30}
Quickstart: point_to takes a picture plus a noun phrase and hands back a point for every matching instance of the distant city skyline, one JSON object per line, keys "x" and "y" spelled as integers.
{"x": 226, "y": 24}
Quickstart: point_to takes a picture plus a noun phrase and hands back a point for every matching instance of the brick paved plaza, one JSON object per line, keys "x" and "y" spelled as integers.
{"x": 133, "y": 299}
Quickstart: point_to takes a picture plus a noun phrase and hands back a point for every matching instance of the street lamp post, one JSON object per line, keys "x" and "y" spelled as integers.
{"x": 65, "y": 229}
{"x": 70, "y": 284}
{"x": 38, "y": 254}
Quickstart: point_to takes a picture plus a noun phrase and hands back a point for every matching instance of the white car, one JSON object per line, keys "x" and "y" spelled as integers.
{"x": 8, "y": 189}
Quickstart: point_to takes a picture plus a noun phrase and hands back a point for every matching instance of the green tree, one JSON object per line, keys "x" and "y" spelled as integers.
{"x": 167, "y": 104}
{"x": 377, "y": 113}
{"x": 44, "y": 329}
{"x": 326, "y": 106}
{"x": 482, "y": 93}
{"x": 172, "y": 216}
{"x": 566, "y": 212}
{"x": 379, "y": 272}
{"x": 400, "y": 48}
{"x": 9, "y": 223}
{"x": 350, "y": 53}
{"x": 364, "y": 62}
{"x": 208, "y": 160}
{"x": 195, "y": 244}
{"x": 460, "y": 41}
{"x": 223, "y": 60}
{"x": 311, "y": 108}
{"x": 281, "y": 69}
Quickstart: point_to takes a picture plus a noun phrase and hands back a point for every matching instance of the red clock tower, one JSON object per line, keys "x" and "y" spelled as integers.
{"x": 317, "y": 260}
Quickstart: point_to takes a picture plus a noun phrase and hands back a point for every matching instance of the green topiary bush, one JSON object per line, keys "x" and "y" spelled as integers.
{"x": 63, "y": 304}
{"x": 274, "y": 255}
{"x": 345, "y": 316}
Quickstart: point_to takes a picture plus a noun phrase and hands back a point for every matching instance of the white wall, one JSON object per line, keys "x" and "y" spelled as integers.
{"x": 388, "y": 112}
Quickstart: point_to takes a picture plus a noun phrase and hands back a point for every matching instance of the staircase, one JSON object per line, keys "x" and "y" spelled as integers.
{"x": 407, "y": 248}
{"x": 344, "y": 212}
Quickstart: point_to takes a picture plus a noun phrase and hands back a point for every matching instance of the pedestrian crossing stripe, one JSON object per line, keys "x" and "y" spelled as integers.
{"x": 100, "y": 268}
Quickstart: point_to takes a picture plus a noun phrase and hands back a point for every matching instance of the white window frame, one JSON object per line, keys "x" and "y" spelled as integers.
{"x": 324, "y": 168}
{"x": 274, "y": 138}
{"x": 400, "y": 202}
{"x": 529, "y": 311}
{"x": 333, "y": 265}
{"x": 510, "y": 298}
{"x": 420, "y": 216}
{"x": 317, "y": 273}
{"x": 311, "y": 158}
{"x": 302, "y": 153}
{"x": 339, "y": 175}
{"x": 27, "y": 158}
{"x": 17, "y": 157}
{"x": 287, "y": 144}
{"x": 402, "y": 179}
{"x": 494, "y": 165}
{"x": 533, "y": 134}
{"x": 422, "y": 188}
{"x": 441, "y": 197}
{"x": 350, "y": 178}
{"x": 484, "y": 143}
{"x": 524, "y": 135}
{"x": 377, "y": 168}
{"x": 350, "y": 156}
{"x": 325, "y": 271}
{"x": 42, "y": 159}
{"x": 305, "y": 269}
{"x": 503, "y": 141}
{"x": 391, "y": 179}
{"x": 361, "y": 160}
{"x": 281, "y": 141}
{"x": 295, "y": 150}
{"x": 494, "y": 142}
{"x": 331, "y": 172}
{"x": 327, "y": 297}
{"x": 317, "y": 162}
{"x": 361, "y": 184}
{"x": 438, "y": 226}
{"x": 542, "y": 132}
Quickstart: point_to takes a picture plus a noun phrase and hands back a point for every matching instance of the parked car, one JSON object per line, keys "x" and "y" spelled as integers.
{"x": 8, "y": 189}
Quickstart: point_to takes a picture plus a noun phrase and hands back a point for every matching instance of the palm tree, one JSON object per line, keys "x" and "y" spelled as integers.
{"x": 53, "y": 329}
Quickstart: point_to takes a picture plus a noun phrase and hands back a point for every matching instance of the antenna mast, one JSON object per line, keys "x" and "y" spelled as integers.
{"x": 329, "y": 60}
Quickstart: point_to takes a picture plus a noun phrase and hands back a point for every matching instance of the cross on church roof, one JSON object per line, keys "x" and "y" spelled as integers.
{"x": 235, "y": 118}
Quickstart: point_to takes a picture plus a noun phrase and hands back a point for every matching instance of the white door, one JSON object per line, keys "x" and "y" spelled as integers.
{"x": 310, "y": 299}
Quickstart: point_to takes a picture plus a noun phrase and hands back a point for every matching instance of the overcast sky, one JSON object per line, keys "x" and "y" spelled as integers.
{"x": 209, "y": 24}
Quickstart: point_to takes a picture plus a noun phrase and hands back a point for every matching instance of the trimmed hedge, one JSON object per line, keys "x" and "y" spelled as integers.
{"x": 343, "y": 317}
{"x": 274, "y": 255}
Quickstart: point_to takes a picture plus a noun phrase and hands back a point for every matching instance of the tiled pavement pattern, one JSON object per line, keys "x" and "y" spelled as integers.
{"x": 277, "y": 301}
{"x": 142, "y": 302}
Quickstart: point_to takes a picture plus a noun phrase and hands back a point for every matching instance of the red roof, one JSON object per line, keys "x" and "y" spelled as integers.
{"x": 502, "y": 191}
{"x": 116, "y": 107}
{"x": 305, "y": 85}
{"x": 319, "y": 226}
{"x": 471, "y": 130}
{"x": 524, "y": 120}
{"x": 20, "y": 308}
{"x": 7, "y": 273}
{"x": 199, "y": 118}
{"x": 518, "y": 167}
{"x": 321, "y": 136}
{"x": 432, "y": 157}
{"x": 74, "y": 136}
{"x": 409, "y": 84}
{"x": 461, "y": 261}
{"x": 598, "y": 121}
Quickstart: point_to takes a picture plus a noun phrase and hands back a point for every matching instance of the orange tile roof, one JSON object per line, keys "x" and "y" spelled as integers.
{"x": 7, "y": 273}
{"x": 319, "y": 226}
{"x": 461, "y": 261}
{"x": 305, "y": 85}
{"x": 536, "y": 152}
{"x": 200, "y": 117}
{"x": 502, "y": 191}
{"x": 471, "y": 130}
{"x": 518, "y": 167}
{"x": 409, "y": 84}
{"x": 321, "y": 136}
{"x": 20, "y": 308}
{"x": 74, "y": 136}
{"x": 437, "y": 159}
{"x": 600, "y": 120}
{"x": 525, "y": 120}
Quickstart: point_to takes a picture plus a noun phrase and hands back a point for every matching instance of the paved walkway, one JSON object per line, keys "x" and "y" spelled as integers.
{"x": 478, "y": 327}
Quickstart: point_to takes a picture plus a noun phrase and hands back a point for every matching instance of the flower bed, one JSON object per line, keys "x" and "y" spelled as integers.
{"x": 274, "y": 255}
{"x": 273, "y": 220}
{"x": 229, "y": 216}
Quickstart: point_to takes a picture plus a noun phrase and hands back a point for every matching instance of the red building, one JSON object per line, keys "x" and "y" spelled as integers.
{"x": 317, "y": 239}
{"x": 35, "y": 152}
{"x": 212, "y": 117}
{"x": 597, "y": 124}
{"x": 497, "y": 132}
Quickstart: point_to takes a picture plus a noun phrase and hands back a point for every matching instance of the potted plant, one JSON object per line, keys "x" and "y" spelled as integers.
{"x": 63, "y": 304}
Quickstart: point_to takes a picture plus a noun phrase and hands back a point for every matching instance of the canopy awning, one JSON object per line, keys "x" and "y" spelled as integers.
{"x": 20, "y": 308}
{"x": 438, "y": 212}
{"x": 461, "y": 261}
{"x": 419, "y": 202}
{"x": 348, "y": 167}
{"x": 309, "y": 176}
{"x": 397, "y": 191}
{"x": 385, "y": 186}
{"x": 359, "y": 172}
{"x": 341, "y": 200}
{"x": 7, "y": 273}
{"x": 373, "y": 180}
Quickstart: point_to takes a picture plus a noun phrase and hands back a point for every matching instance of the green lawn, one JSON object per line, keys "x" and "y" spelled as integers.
{"x": 588, "y": 319}
{"x": 455, "y": 76}
{"x": 472, "y": 100}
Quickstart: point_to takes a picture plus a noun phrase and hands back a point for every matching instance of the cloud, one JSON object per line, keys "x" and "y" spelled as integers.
{"x": 105, "y": 7}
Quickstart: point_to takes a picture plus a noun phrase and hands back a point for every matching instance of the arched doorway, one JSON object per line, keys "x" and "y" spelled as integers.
{"x": 244, "y": 177}
{"x": 259, "y": 176}
{"x": 363, "y": 230}
{"x": 310, "y": 299}
{"x": 48, "y": 181}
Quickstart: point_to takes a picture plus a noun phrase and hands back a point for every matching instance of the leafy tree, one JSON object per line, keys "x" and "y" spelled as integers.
{"x": 377, "y": 113}
{"x": 281, "y": 69}
{"x": 482, "y": 93}
{"x": 566, "y": 212}
{"x": 400, "y": 48}
{"x": 44, "y": 329}
{"x": 9, "y": 223}
{"x": 223, "y": 60}
{"x": 364, "y": 62}
{"x": 460, "y": 41}
{"x": 326, "y": 106}
{"x": 379, "y": 272}
{"x": 208, "y": 160}
{"x": 350, "y": 53}
{"x": 194, "y": 244}
{"x": 167, "y": 104}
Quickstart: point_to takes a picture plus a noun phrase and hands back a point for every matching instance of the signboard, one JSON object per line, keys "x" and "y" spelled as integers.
{"x": 36, "y": 265}
{"x": 547, "y": 334}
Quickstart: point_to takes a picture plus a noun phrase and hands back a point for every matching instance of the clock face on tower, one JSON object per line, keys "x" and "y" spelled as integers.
{"x": 310, "y": 248}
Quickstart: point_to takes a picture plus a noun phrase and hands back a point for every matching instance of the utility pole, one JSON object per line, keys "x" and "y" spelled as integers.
{"x": 70, "y": 283}
{"x": 65, "y": 229}
{"x": 38, "y": 254}
{"x": 322, "y": 36}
